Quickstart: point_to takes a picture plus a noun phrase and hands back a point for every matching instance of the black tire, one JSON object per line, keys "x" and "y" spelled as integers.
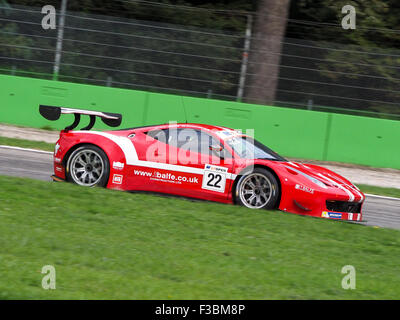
{"x": 97, "y": 167}
{"x": 265, "y": 195}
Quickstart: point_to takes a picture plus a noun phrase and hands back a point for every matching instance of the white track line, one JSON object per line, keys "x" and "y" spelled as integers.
{"x": 25, "y": 149}
{"x": 381, "y": 197}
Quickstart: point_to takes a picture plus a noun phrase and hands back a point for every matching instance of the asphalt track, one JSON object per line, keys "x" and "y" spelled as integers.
{"x": 378, "y": 211}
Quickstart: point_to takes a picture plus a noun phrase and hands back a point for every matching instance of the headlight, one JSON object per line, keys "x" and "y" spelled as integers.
{"x": 312, "y": 179}
{"x": 316, "y": 181}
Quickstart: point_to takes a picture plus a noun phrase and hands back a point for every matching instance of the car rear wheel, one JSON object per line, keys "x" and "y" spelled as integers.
{"x": 88, "y": 166}
{"x": 258, "y": 189}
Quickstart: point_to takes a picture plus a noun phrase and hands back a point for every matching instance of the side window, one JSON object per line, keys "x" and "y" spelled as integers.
{"x": 208, "y": 141}
{"x": 160, "y": 135}
{"x": 185, "y": 138}
{"x": 189, "y": 139}
{"x": 193, "y": 140}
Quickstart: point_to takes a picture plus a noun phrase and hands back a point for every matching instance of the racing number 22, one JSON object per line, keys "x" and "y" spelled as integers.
{"x": 214, "y": 181}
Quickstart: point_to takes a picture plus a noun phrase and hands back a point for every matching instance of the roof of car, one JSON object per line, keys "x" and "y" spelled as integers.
{"x": 177, "y": 125}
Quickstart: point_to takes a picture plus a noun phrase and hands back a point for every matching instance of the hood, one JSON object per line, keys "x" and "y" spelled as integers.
{"x": 329, "y": 178}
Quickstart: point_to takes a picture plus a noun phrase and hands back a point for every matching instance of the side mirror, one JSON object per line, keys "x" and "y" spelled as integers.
{"x": 217, "y": 150}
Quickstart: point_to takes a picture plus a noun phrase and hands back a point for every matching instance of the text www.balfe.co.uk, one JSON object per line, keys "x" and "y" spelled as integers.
{"x": 165, "y": 177}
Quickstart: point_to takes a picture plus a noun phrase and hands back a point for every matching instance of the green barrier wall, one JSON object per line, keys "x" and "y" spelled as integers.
{"x": 369, "y": 141}
{"x": 290, "y": 132}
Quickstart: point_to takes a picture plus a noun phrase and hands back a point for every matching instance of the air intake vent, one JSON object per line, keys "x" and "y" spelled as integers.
{"x": 343, "y": 206}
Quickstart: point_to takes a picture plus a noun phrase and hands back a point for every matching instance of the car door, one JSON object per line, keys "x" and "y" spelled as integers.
{"x": 179, "y": 161}
{"x": 146, "y": 174}
{"x": 206, "y": 173}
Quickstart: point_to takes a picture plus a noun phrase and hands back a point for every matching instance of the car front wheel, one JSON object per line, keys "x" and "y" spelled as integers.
{"x": 258, "y": 189}
{"x": 88, "y": 166}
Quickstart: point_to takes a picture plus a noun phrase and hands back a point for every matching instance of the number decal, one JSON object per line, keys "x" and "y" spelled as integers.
{"x": 211, "y": 176}
{"x": 219, "y": 178}
{"x": 214, "y": 178}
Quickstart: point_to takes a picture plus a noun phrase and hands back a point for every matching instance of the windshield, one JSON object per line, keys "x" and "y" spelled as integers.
{"x": 248, "y": 148}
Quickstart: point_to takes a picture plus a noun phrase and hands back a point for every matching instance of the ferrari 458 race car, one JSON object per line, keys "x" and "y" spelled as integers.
{"x": 197, "y": 161}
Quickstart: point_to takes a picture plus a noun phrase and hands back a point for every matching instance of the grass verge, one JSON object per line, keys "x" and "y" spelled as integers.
{"x": 388, "y": 192}
{"x": 108, "y": 244}
{"x": 27, "y": 144}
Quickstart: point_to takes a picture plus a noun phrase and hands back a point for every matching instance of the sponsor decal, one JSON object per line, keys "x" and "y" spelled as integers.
{"x": 214, "y": 178}
{"x": 304, "y": 188}
{"x": 166, "y": 177}
{"x": 334, "y": 215}
{"x": 58, "y": 160}
{"x": 118, "y": 165}
{"x": 331, "y": 215}
{"x": 56, "y": 148}
{"x": 210, "y": 167}
{"x": 117, "y": 178}
{"x": 225, "y": 134}
{"x": 59, "y": 169}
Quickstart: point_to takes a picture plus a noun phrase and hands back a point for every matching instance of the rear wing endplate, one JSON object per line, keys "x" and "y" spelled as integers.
{"x": 54, "y": 113}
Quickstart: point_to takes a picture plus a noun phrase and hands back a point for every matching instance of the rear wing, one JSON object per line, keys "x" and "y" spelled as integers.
{"x": 54, "y": 113}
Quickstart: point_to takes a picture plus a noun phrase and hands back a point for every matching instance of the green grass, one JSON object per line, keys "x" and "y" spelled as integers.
{"x": 109, "y": 244}
{"x": 389, "y": 192}
{"x": 27, "y": 144}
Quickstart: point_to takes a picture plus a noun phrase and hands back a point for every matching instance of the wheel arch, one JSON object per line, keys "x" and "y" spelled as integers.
{"x": 249, "y": 169}
{"x": 78, "y": 145}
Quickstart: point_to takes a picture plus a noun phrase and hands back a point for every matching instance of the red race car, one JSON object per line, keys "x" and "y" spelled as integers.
{"x": 197, "y": 161}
